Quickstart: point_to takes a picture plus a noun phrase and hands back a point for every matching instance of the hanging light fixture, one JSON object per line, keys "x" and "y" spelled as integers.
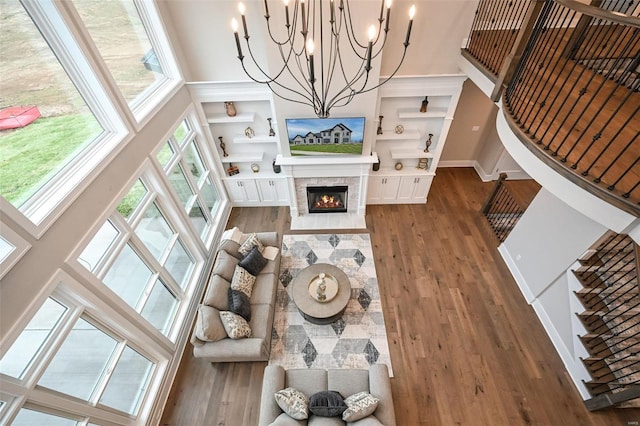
{"x": 310, "y": 39}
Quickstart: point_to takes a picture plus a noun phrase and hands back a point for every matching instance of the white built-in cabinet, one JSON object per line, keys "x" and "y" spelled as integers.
{"x": 405, "y": 131}
{"x": 248, "y": 144}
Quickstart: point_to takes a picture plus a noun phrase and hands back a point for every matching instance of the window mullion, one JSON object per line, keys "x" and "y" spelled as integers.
{"x": 104, "y": 380}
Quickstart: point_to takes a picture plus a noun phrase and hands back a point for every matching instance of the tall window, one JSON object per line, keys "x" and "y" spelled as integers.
{"x": 44, "y": 121}
{"x": 118, "y": 31}
{"x": 190, "y": 178}
{"x": 65, "y": 350}
{"x": 141, "y": 257}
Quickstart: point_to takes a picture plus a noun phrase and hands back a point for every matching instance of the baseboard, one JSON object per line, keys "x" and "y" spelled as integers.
{"x": 517, "y": 276}
{"x": 456, "y": 163}
{"x": 575, "y": 369}
{"x": 484, "y": 176}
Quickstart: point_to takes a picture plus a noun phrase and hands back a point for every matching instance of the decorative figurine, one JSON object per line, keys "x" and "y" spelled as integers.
{"x": 223, "y": 146}
{"x": 248, "y": 132}
{"x": 271, "y": 131}
{"x": 399, "y": 129}
{"x": 428, "y": 143}
{"x": 379, "y": 131}
{"x": 322, "y": 288}
{"x": 425, "y": 104}
{"x": 230, "y": 108}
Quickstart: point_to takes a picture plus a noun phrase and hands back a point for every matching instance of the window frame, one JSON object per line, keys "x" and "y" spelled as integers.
{"x": 21, "y": 247}
{"x": 80, "y": 303}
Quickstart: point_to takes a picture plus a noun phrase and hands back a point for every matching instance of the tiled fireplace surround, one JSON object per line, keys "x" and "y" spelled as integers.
{"x": 352, "y": 172}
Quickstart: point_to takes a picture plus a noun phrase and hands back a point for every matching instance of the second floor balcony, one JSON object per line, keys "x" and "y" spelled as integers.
{"x": 568, "y": 76}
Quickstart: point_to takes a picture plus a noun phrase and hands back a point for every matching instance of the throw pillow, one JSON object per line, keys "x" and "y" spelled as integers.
{"x": 253, "y": 262}
{"x": 327, "y": 404}
{"x": 251, "y": 241}
{"x": 359, "y": 406}
{"x": 243, "y": 281}
{"x": 293, "y": 402}
{"x": 216, "y": 295}
{"x": 239, "y": 304}
{"x": 208, "y": 327}
{"x": 235, "y": 326}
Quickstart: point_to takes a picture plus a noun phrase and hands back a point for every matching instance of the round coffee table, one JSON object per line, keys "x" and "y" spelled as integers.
{"x": 306, "y": 299}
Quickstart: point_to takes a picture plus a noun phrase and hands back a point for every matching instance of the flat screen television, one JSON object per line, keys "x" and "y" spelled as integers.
{"x": 325, "y": 136}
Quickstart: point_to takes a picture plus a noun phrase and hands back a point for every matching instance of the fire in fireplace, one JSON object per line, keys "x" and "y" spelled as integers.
{"x": 327, "y": 199}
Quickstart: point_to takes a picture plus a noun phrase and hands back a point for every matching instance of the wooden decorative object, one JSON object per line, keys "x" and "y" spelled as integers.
{"x": 428, "y": 143}
{"x": 423, "y": 163}
{"x": 379, "y": 131}
{"x": 223, "y": 146}
{"x": 425, "y": 104}
{"x": 232, "y": 170}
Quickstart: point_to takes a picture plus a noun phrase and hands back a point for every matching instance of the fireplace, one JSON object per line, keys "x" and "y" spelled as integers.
{"x": 327, "y": 199}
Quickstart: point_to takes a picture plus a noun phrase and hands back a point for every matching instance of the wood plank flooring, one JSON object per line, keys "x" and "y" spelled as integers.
{"x": 465, "y": 346}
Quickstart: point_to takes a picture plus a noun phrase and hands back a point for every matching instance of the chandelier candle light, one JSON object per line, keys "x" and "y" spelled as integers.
{"x": 308, "y": 38}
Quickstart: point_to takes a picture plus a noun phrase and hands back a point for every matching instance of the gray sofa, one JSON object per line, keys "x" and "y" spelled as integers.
{"x": 258, "y": 346}
{"x": 309, "y": 381}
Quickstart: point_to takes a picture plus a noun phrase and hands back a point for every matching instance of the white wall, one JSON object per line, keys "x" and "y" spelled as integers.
{"x": 549, "y": 237}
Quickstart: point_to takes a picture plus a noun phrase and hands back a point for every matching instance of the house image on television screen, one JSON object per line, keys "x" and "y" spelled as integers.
{"x": 329, "y": 136}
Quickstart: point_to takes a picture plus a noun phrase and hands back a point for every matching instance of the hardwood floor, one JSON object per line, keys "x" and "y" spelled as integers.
{"x": 465, "y": 346}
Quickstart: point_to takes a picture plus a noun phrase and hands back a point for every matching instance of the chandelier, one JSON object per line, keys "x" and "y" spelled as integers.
{"x": 315, "y": 31}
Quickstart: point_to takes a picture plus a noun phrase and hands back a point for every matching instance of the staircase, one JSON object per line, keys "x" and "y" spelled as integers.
{"x": 610, "y": 295}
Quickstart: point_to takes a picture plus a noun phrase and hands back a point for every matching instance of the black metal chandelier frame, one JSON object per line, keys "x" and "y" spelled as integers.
{"x": 298, "y": 56}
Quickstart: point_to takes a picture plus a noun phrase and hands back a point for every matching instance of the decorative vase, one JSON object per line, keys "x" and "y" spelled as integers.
{"x": 276, "y": 167}
{"x": 379, "y": 131}
{"x": 222, "y": 147}
{"x": 271, "y": 131}
{"x": 425, "y": 104}
{"x": 230, "y": 108}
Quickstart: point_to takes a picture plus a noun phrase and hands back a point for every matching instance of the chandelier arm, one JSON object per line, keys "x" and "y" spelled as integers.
{"x": 301, "y": 70}
{"x": 349, "y": 88}
{"x": 290, "y": 32}
{"x": 350, "y": 26}
{"x": 404, "y": 53}
{"x": 269, "y": 79}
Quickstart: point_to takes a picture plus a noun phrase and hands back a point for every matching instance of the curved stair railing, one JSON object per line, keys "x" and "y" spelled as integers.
{"x": 571, "y": 83}
{"x": 611, "y": 299}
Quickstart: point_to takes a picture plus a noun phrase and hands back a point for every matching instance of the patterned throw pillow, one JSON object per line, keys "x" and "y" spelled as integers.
{"x": 243, "y": 281}
{"x": 293, "y": 402}
{"x": 251, "y": 241}
{"x": 253, "y": 262}
{"x": 327, "y": 404}
{"x": 359, "y": 406}
{"x": 235, "y": 326}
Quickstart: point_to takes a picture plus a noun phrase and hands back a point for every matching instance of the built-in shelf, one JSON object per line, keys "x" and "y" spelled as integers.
{"x": 254, "y": 157}
{"x": 431, "y": 113}
{"x": 388, "y": 135}
{"x": 256, "y": 139}
{"x": 400, "y": 154}
{"x": 267, "y": 174}
{"x": 244, "y": 117}
{"x": 407, "y": 170}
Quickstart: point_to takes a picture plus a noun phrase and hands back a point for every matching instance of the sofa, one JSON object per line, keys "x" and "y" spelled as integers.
{"x": 348, "y": 382}
{"x": 217, "y": 346}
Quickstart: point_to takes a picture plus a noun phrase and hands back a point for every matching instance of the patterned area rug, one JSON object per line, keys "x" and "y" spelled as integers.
{"x": 356, "y": 340}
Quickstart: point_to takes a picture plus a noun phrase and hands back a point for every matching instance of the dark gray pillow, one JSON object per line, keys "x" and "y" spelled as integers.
{"x": 239, "y": 303}
{"x": 253, "y": 262}
{"x": 327, "y": 404}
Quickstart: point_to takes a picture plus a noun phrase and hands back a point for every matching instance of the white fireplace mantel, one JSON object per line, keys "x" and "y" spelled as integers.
{"x": 328, "y": 170}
